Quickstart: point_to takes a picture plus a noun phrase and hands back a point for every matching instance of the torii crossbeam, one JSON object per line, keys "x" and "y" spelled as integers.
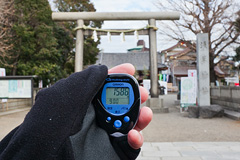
{"x": 108, "y": 16}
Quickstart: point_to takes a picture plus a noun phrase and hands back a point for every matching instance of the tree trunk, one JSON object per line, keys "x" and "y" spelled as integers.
{"x": 212, "y": 72}
{"x": 14, "y": 71}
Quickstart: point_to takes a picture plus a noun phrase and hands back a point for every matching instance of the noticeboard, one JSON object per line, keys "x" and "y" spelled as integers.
{"x": 16, "y": 87}
{"x": 188, "y": 91}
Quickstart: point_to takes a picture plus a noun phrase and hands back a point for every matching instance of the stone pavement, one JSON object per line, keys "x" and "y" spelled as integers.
{"x": 190, "y": 151}
{"x": 173, "y": 136}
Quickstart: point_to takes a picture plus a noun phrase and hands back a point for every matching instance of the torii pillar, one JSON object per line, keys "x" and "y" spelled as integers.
{"x": 109, "y": 16}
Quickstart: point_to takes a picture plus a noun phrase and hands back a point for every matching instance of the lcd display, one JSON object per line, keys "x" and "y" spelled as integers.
{"x": 117, "y": 95}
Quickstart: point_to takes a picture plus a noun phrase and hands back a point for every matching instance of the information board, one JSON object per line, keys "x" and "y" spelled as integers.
{"x": 15, "y": 88}
{"x": 188, "y": 91}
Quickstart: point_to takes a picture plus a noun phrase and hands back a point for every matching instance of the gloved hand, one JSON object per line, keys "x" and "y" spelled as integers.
{"x": 61, "y": 124}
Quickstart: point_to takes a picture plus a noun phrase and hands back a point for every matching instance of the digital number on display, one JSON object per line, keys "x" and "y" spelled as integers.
{"x": 117, "y": 95}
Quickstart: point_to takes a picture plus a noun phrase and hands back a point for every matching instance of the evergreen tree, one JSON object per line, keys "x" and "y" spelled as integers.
{"x": 90, "y": 47}
{"x": 64, "y": 46}
{"x": 35, "y": 42}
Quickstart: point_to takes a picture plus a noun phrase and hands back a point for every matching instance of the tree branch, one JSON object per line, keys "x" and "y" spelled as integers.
{"x": 233, "y": 39}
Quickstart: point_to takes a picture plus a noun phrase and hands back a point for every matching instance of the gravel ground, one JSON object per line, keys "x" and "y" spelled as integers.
{"x": 165, "y": 127}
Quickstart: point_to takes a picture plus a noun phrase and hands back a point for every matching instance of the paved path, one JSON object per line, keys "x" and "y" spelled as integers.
{"x": 190, "y": 151}
{"x": 177, "y": 127}
{"x": 11, "y": 119}
{"x": 173, "y": 136}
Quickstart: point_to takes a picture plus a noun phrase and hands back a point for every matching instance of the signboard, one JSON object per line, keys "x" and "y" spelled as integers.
{"x": 192, "y": 73}
{"x": 2, "y": 72}
{"x": 188, "y": 91}
{"x": 15, "y": 88}
{"x": 147, "y": 85}
{"x": 232, "y": 79}
{"x": 40, "y": 84}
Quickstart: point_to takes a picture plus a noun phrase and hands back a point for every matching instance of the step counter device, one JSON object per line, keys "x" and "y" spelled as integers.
{"x": 117, "y": 104}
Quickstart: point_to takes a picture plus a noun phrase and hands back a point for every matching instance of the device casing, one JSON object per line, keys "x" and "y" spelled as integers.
{"x": 102, "y": 114}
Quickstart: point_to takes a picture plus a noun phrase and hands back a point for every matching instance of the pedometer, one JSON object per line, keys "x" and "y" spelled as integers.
{"x": 117, "y": 104}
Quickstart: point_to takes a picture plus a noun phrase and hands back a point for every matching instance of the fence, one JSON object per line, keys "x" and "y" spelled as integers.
{"x": 226, "y": 96}
{"x": 17, "y": 103}
{"x": 14, "y": 104}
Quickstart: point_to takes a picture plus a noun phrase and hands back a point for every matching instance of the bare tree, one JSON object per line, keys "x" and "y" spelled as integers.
{"x": 7, "y": 58}
{"x": 214, "y": 17}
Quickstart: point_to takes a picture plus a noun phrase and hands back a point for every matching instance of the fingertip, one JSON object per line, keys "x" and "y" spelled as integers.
{"x": 145, "y": 117}
{"x": 148, "y": 114}
{"x": 123, "y": 68}
{"x": 135, "y": 139}
{"x": 144, "y": 94}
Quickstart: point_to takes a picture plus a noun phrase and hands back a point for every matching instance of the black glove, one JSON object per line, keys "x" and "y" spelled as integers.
{"x": 61, "y": 124}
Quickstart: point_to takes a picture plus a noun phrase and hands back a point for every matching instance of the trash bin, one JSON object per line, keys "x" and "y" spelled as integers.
{"x": 162, "y": 90}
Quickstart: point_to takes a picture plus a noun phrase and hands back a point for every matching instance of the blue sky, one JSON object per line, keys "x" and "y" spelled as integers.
{"x": 116, "y": 45}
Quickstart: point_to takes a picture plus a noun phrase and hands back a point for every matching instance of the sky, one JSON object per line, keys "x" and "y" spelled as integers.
{"x": 116, "y": 45}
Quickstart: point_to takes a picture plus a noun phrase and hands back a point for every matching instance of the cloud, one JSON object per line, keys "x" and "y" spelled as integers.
{"x": 126, "y": 6}
{"x": 123, "y": 5}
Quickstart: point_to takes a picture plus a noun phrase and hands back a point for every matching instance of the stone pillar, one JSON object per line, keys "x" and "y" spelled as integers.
{"x": 153, "y": 59}
{"x": 79, "y": 47}
{"x": 203, "y": 95}
{"x": 154, "y": 102}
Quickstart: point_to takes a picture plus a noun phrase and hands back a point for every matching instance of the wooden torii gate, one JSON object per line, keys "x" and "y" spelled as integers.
{"x": 109, "y": 16}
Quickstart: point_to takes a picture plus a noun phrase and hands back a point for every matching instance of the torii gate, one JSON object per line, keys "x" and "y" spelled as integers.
{"x": 90, "y": 16}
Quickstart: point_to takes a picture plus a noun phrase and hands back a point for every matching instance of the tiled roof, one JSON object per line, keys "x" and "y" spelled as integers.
{"x": 182, "y": 70}
{"x": 177, "y": 50}
{"x": 139, "y": 59}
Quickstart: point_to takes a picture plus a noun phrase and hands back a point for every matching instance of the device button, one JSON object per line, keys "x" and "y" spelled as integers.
{"x": 117, "y": 124}
{"x": 109, "y": 119}
{"x": 126, "y": 119}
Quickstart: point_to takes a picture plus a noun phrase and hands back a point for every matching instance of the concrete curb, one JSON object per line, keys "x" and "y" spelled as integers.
{"x": 14, "y": 111}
